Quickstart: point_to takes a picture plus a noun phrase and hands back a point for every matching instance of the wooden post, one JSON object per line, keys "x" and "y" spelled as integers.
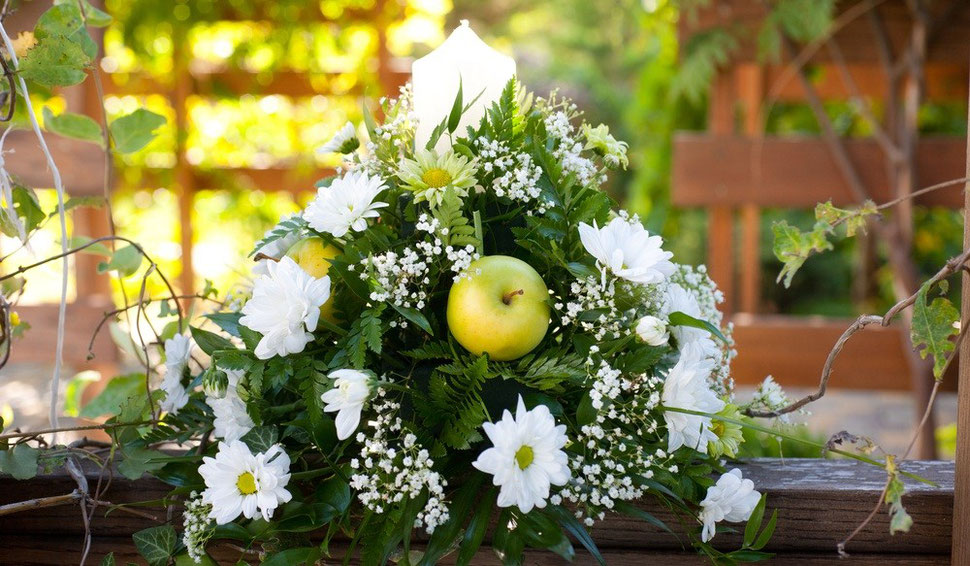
{"x": 960, "y": 553}
{"x": 184, "y": 176}
{"x": 720, "y": 229}
{"x": 750, "y": 86}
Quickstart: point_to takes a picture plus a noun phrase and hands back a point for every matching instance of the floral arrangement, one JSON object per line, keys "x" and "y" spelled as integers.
{"x": 448, "y": 338}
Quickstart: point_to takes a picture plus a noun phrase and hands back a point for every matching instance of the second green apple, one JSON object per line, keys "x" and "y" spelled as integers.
{"x": 500, "y": 306}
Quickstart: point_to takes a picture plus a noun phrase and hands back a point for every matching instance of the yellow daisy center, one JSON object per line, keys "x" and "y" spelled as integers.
{"x": 524, "y": 457}
{"x": 718, "y": 428}
{"x": 436, "y": 178}
{"x": 246, "y": 483}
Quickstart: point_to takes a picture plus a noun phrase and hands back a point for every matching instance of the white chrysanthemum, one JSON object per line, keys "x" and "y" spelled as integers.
{"x": 344, "y": 141}
{"x": 686, "y": 387}
{"x": 285, "y": 308}
{"x": 232, "y": 421}
{"x": 178, "y": 351}
{"x": 652, "y": 330}
{"x": 626, "y": 248}
{"x": 346, "y": 204}
{"x": 731, "y": 499}
{"x": 350, "y": 390}
{"x": 276, "y": 248}
{"x": 526, "y": 457}
{"x": 238, "y": 481}
{"x": 680, "y": 299}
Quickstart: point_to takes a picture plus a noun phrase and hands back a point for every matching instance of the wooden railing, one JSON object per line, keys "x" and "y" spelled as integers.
{"x": 819, "y": 502}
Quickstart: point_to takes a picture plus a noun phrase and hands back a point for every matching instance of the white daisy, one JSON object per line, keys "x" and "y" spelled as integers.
{"x": 731, "y": 499}
{"x": 231, "y": 422}
{"x": 275, "y": 249}
{"x": 344, "y": 141}
{"x": 652, "y": 331}
{"x": 178, "y": 351}
{"x": 285, "y": 308}
{"x": 680, "y": 299}
{"x": 626, "y": 248}
{"x": 686, "y": 387}
{"x": 346, "y": 204}
{"x": 526, "y": 457}
{"x": 350, "y": 390}
{"x": 238, "y": 481}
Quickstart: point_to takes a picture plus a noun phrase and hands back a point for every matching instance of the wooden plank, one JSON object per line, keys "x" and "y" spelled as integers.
{"x": 857, "y": 39}
{"x": 750, "y": 82}
{"x": 944, "y": 82}
{"x": 798, "y": 172}
{"x": 793, "y": 350}
{"x": 272, "y": 179}
{"x": 839, "y": 492}
{"x": 236, "y": 82}
{"x": 81, "y": 163}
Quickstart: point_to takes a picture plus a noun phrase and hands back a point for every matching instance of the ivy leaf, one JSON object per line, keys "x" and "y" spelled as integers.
{"x": 19, "y": 461}
{"x": 932, "y": 329}
{"x": 156, "y": 544}
{"x": 125, "y": 261}
{"x": 108, "y": 560}
{"x": 682, "y": 319}
{"x": 792, "y": 246}
{"x": 139, "y": 460}
{"x": 134, "y": 131}
{"x": 75, "y": 126}
{"x": 64, "y": 23}
{"x": 54, "y": 62}
{"x": 261, "y": 438}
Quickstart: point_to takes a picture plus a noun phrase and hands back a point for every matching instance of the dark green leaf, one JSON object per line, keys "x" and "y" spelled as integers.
{"x": 261, "y": 438}
{"x": 634, "y": 511}
{"x": 210, "y": 342}
{"x": 572, "y": 525}
{"x": 416, "y": 317}
{"x": 156, "y": 544}
{"x": 754, "y": 522}
{"x": 682, "y": 319}
{"x": 108, "y": 560}
{"x": 476, "y": 529}
{"x": 455, "y": 116}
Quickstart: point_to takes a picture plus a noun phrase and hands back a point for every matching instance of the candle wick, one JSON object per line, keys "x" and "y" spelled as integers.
{"x": 464, "y": 23}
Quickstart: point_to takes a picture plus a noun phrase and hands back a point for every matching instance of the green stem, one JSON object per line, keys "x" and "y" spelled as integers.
{"x": 775, "y": 432}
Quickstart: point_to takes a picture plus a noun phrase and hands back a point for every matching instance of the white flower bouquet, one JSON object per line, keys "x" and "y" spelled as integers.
{"x": 455, "y": 331}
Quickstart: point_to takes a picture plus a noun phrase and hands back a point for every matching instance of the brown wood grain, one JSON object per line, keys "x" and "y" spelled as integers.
{"x": 798, "y": 172}
{"x": 81, "y": 163}
{"x": 818, "y": 503}
{"x": 793, "y": 350}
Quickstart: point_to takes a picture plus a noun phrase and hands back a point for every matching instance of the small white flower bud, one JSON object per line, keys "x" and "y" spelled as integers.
{"x": 653, "y": 331}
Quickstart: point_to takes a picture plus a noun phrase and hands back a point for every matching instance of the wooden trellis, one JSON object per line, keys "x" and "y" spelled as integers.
{"x": 734, "y": 171}
{"x": 81, "y": 165}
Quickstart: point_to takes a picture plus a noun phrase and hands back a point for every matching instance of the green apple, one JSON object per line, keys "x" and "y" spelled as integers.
{"x": 314, "y": 255}
{"x": 500, "y": 307}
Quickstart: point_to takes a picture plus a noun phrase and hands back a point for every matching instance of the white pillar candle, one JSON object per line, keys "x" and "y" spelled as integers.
{"x": 435, "y": 77}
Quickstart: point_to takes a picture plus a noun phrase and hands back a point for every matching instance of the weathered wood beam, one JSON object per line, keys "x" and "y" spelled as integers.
{"x": 81, "y": 163}
{"x": 798, "y": 172}
{"x": 793, "y": 350}
{"x": 818, "y": 502}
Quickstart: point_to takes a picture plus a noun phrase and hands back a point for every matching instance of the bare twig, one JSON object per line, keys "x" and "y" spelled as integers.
{"x": 37, "y": 503}
{"x": 105, "y": 426}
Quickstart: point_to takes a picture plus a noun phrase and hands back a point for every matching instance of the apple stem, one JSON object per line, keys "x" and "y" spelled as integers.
{"x": 262, "y": 256}
{"x": 507, "y": 298}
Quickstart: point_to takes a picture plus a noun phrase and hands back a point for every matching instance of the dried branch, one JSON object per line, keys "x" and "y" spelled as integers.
{"x": 951, "y": 267}
{"x": 105, "y": 426}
